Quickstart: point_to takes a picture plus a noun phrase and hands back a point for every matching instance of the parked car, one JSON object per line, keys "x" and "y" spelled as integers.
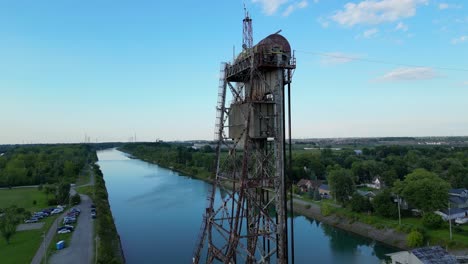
{"x": 67, "y": 222}
{"x": 63, "y": 231}
{"x": 93, "y": 206}
{"x": 68, "y": 227}
{"x": 57, "y": 211}
{"x": 93, "y": 214}
{"x": 461, "y": 221}
{"x": 32, "y": 220}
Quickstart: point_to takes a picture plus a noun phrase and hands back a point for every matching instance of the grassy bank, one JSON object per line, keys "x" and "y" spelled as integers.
{"x": 439, "y": 236}
{"x": 109, "y": 246}
{"x": 178, "y": 157}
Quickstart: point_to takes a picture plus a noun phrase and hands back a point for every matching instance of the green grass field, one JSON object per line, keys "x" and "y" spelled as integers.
{"x": 23, "y": 244}
{"x": 23, "y": 197}
{"x": 22, "y": 247}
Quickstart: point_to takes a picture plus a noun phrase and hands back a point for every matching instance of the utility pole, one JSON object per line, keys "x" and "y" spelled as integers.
{"x": 399, "y": 214}
{"x": 450, "y": 221}
{"x": 44, "y": 244}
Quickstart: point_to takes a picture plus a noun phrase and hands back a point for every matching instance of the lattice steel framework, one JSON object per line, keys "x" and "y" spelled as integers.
{"x": 248, "y": 224}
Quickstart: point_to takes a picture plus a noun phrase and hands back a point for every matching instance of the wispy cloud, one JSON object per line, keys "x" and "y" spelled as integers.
{"x": 459, "y": 40}
{"x": 270, "y": 7}
{"x": 375, "y": 12}
{"x": 323, "y": 22}
{"x": 401, "y": 26}
{"x": 443, "y": 6}
{"x": 370, "y": 33}
{"x": 465, "y": 83}
{"x": 409, "y": 74}
{"x": 292, "y": 7}
{"x": 335, "y": 58}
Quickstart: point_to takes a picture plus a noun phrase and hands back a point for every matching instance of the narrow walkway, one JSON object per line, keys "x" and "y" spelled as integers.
{"x": 46, "y": 242}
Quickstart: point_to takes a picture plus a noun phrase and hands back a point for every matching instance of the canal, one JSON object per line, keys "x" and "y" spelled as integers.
{"x": 158, "y": 214}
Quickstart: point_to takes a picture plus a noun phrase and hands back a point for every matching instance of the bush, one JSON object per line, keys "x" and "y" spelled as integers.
{"x": 34, "y": 202}
{"x": 415, "y": 239}
{"x": 326, "y": 209}
{"x": 359, "y": 204}
{"x": 432, "y": 221}
{"x": 76, "y": 199}
{"x": 384, "y": 206}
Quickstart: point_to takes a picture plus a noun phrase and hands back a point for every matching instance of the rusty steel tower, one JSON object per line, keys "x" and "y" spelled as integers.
{"x": 248, "y": 224}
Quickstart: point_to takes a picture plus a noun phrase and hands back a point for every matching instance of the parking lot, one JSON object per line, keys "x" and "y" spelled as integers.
{"x": 81, "y": 247}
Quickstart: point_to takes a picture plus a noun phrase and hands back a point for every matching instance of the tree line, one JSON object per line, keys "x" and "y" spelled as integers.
{"x": 40, "y": 164}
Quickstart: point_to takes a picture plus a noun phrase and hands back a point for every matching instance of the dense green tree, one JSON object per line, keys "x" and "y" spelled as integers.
{"x": 8, "y": 223}
{"x": 433, "y": 221}
{"x": 341, "y": 183}
{"x": 360, "y": 203}
{"x": 63, "y": 192}
{"x": 424, "y": 190}
{"x": 384, "y": 206}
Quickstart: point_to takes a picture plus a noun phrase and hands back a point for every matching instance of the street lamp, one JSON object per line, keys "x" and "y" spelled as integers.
{"x": 44, "y": 246}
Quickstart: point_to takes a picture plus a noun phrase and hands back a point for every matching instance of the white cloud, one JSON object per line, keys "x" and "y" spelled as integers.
{"x": 270, "y": 7}
{"x": 376, "y": 11}
{"x": 409, "y": 74}
{"x": 292, "y": 7}
{"x": 323, "y": 22}
{"x": 316, "y": 1}
{"x": 460, "y": 40}
{"x": 370, "y": 33}
{"x": 443, "y": 6}
{"x": 401, "y": 27}
{"x": 465, "y": 83}
{"x": 335, "y": 58}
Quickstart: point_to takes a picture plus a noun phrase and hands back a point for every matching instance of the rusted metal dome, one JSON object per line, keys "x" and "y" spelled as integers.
{"x": 274, "y": 42}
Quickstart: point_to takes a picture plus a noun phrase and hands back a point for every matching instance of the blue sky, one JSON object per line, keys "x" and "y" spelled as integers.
{"x": 110, "y": 69}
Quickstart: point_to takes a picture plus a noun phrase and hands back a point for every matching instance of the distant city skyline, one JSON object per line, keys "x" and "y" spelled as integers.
{"x": 110, "y": 70}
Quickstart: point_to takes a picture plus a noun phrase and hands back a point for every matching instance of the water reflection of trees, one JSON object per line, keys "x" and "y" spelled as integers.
{"x": 343, "y": 241}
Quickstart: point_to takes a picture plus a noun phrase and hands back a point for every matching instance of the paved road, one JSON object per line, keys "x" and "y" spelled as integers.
{"x": 24, "y": 227}
{"x": 80, "y": 250}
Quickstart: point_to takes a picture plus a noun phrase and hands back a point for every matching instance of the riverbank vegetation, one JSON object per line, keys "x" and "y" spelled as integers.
{"x": 109, "y": 247}
{"x": 180, "y": 157}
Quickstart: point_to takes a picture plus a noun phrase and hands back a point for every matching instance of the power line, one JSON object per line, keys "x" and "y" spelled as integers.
{"x": 378, "y": 61}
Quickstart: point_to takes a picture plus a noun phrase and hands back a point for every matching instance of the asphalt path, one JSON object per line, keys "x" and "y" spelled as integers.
{"x": 80, "y": 250}
{"x": 31, "y": 226}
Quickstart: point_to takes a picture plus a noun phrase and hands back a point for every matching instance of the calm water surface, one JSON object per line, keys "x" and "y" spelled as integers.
{"x": 158, "y": 214}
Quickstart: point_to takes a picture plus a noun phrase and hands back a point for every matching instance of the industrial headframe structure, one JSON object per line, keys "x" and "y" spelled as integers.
{"x": 249, "y": 223}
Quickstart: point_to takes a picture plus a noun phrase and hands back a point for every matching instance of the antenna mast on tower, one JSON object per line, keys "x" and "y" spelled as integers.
{"x": 247, "y": 33}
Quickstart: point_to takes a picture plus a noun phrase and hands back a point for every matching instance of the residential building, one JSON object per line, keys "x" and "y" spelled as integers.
{"x": 425, "y": 255}
{"x": 324, "y": 191}
{"x": 305, "y": 185}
